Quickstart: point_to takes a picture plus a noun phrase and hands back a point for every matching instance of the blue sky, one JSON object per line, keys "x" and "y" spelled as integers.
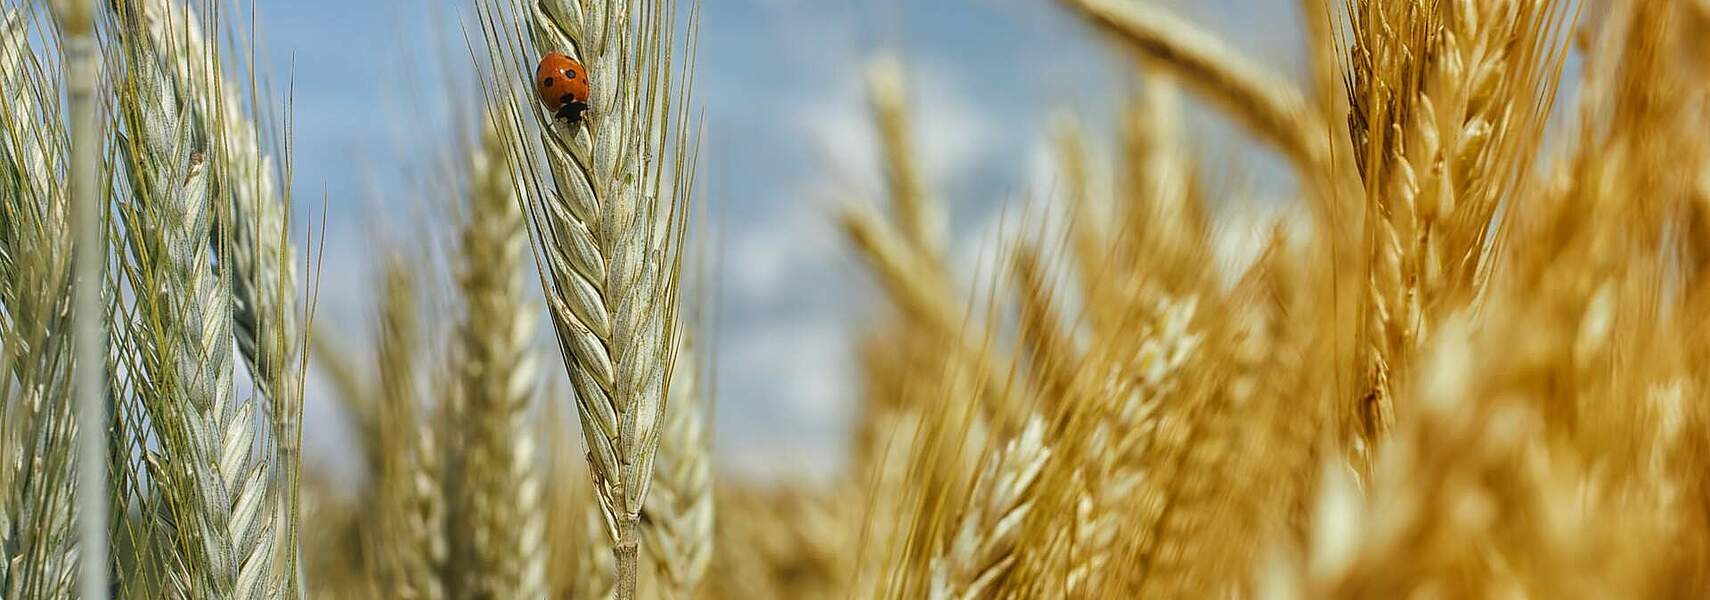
{"x": 787, "y": 140}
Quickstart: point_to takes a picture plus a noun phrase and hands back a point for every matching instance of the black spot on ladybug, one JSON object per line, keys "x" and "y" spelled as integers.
{"x": 567, "y": 99}
{"x": 548, "y": 82}
{"x": 569, "y": 73}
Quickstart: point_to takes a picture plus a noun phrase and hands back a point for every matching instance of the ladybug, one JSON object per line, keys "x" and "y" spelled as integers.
{"x": 562, "y": 85}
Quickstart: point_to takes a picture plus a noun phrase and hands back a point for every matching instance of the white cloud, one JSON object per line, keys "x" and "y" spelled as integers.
{"x": 951, "y": 133}
{"x": 765, "y": 257}
{"x": 786, "y": 395}
{"x": 788, "y": 376}
{"x": 806, "y": 360}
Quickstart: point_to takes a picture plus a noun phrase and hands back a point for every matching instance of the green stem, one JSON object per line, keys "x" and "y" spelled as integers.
{"x": 89, "y": 336}
{"x": 626, "y": 551}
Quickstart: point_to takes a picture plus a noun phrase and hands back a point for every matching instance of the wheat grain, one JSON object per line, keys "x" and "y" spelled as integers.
{"x": 1149, "y": 427}
{"x": 262, "y": 257}
{"x": 254, "y": 242}
{"x": 1445, "y": 102}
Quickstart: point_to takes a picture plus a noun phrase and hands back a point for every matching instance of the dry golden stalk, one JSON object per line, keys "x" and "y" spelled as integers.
{"x": 913, "y": 280}
{"x": 1089, "y": 235}
{"x": 1163, "y": 226}
{"x": 1046, "y": 343}
{"x": 906, "y": 253}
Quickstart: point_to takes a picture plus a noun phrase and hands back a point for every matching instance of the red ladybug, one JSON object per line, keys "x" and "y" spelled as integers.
{"x": 562, "y": 85}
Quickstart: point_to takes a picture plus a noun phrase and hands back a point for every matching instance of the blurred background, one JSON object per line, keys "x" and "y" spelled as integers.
{"x": 787, "y": 138}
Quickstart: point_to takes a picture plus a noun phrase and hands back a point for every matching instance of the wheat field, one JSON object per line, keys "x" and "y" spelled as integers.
{"x": 1471, "y": 358}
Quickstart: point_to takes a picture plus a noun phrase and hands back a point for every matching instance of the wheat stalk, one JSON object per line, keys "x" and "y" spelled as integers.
{"x": 89, "y": 340}
{"x": 608, "y": 233}
{"x": 990, "y": 530}
{"x": 38, "y": 556}
{"x": 678, "y": 520}
{"x": 498, "y": 375}
{"x": 918, "y": 284}
{"x": 413, "y": 547}
{"x": 212, "y": 486}
{"x": 1048, "y": 345}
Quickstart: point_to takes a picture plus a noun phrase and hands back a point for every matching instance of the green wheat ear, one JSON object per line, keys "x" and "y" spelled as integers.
{"x": 607, "y": 204}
